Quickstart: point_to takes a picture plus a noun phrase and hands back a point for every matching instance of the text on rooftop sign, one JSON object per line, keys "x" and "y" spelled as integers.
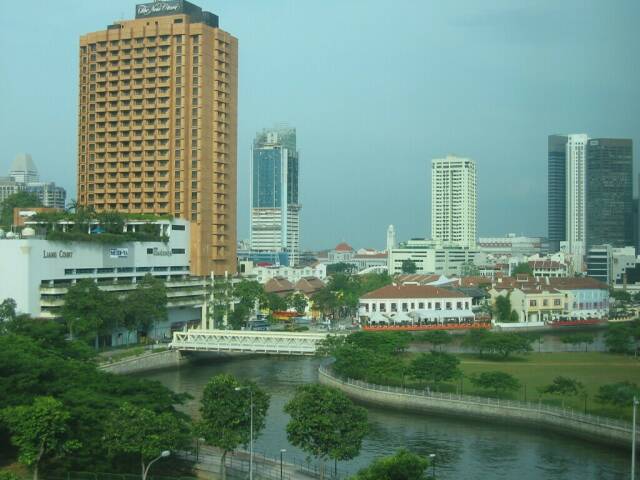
{"x": 158, "y": 8}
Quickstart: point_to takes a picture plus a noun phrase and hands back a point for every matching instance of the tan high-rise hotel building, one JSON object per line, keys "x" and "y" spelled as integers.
{"x": 158, "y": 124}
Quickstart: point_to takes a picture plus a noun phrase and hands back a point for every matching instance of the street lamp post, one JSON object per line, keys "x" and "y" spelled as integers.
{"x": 282, "y": 452}
{"x": 432, "y": 457}
{"x": 164, "y": 454}
{"x": 633, "y": 439}
{"x": 250, "y": 428}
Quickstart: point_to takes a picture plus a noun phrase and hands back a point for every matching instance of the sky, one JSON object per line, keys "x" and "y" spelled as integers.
{"x": 375, "y": 89}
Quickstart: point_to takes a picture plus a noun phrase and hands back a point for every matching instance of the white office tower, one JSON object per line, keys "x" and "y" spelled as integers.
{"x": 453, "y": 201}
{"x": 23, "y": 170}
{"x": 575, "y": 196}
{"x": 275, "y": 211}
{"x": 391, "y": 238}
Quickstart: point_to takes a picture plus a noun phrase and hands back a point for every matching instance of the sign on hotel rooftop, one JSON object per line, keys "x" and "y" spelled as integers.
{"x": 175, "y": 7}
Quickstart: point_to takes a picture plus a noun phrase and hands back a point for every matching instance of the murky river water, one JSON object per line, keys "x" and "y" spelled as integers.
{"x": 464, "y": 449}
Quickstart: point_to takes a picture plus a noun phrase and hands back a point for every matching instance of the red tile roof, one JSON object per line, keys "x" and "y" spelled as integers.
{"x": 412, "y": 291}
{"x": 418, "y": 278}
{"x": 343, "y": 247}
{"x": 577, "y": 283}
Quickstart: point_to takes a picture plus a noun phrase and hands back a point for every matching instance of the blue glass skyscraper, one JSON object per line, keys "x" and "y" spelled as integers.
{"x": 275, "y": 209}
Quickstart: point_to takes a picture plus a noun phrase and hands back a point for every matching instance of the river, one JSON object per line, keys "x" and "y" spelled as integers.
{"x": 464, "y": 449}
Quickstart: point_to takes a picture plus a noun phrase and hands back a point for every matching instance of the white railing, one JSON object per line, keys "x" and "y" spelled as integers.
{"x": 281, "y": 343}
{"x": 537, "y": 407}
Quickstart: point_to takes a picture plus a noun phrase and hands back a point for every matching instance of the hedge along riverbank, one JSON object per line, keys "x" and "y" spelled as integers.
{"x": 566, "y": 421}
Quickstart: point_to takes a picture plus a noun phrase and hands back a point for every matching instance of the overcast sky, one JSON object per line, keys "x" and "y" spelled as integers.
{"x": 376, "y": 89}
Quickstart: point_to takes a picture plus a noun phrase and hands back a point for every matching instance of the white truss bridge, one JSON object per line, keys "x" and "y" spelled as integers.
{"x": 278, "y": 343}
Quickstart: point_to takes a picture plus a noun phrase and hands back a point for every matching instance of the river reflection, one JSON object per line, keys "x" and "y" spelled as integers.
{"x": 464, "y": 449}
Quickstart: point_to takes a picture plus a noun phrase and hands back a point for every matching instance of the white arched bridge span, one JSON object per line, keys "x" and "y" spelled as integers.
{"x": 277, "y": 343}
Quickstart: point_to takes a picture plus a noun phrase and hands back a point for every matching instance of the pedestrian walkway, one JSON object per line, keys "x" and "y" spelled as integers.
{"x": 207, "y": 463}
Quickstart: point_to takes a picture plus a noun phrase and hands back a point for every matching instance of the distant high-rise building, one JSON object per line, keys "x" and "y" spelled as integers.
{"x": 23, "y": 170}
{"x": 391, "y": 238}
{"x": 609, "y": 192}
{"x": 575, "y": 190}
{"x": 566, "y": 192}
{"x": 557, "y": 188}
{"x": 275, "y": 207}
{"x": 48, "y": 193}
{"x": 157, "y": 124}
{"x": 453, "y": 200}
{"x": 8, "y": 186}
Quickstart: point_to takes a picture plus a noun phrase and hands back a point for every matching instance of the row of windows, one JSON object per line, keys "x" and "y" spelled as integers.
{"x": 410, "y": 306}
{"x": 85, "y": 271}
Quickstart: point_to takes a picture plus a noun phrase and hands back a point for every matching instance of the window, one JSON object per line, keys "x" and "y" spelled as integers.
{"x": 383, "y": 307}
{"x": 421, "y": 305}
{"x": 557, "y": 302}
{"x": 394, "y": 307}
{"x": 533, "y": 303}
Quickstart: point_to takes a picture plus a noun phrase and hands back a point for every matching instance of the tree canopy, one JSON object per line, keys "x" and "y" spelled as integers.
{"x": 325, "y": 423}
{"x": 409, "y": 266}
{"x": 403, "y": 465}
{"x": 522, "y": 268}
{"x": 144, "y": 434}
{"x": 618, "y": 394}
{"x": 225, "y": 411}
{"x": 39, "y": 430}
{"x": 435, "y": 367}
{"x": 19, "y": 199}
{"x": 495, "y": 381}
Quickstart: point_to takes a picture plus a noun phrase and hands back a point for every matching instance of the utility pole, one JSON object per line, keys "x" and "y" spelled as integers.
{"x": 633, "y": 439}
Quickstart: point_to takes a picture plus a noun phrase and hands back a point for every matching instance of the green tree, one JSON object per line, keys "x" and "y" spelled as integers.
{"x": 88, "y": 311}
{"x": 20, "y": 199}
{"x": 618, "y": 338}
{"x": 144, "y": 434}
{"x": 325, "y": 423}
{"x": 39, "y": 431}
{"x": 618, "y": 394}
{"x": 469, "y": 269}
{"x": 373, "y": 281}
{"x": 8, "y": 309}
{"x": 390, "y": 343}
{"x": 502, "y": 309}
{"x": 563, "y": 386}
{"x": 403, "y": 465}
{"x": 474, "y": 339}
{"x": 298, "y": 302}
{"x": 239, "y": 315}
{"x": 496, "y": 381}
{"x": 437, "y": 338}
{"x": 522, "y": 269}
{"x": 248, "y": 291}
{"x": 409, "y": 266}
{"x": 621, "y": 296}
{"x": 146, "y": 305}
{"x": 505, "y": 344}
{"x": 226, "y": 414}
{"x": 435, "y": 367}
{"x": 585, "y": 339}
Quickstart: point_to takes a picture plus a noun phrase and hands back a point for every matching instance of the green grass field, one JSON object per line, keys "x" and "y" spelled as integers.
{"x": 535, "y": 370}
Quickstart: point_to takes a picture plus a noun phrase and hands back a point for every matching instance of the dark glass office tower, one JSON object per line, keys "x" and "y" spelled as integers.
{"x": 609, "y": 192}
{"x": 557, "y": 150}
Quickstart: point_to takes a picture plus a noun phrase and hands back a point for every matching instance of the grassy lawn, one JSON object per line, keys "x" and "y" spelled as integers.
{"x": 534, "y": 370}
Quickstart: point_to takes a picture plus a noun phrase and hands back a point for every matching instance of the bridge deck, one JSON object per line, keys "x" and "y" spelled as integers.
{"x": 280, "y": 343}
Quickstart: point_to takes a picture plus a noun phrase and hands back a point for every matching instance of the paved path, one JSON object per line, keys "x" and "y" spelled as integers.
{"x": 208, "y": 466}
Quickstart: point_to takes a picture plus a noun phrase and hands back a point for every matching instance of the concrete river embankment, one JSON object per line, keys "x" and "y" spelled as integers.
{"x": 565, "y": 421}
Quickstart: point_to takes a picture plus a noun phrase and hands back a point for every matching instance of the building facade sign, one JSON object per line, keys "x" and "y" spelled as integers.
{"x": 158, "y": 8}
{"x": 157, "y": 252}
{"x": 118, "y": 252}
{"x": 57, "y": 254}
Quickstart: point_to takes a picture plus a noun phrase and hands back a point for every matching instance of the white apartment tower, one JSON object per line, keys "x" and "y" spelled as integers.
{"x": 275, "y": 210}
{"x": 453, "y": 201}
{"x": 391, "y": 238}
{"x": 575, "y": 192}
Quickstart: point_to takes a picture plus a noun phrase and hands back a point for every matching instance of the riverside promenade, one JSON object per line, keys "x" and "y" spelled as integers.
{"x": 597, "y": 429}
{"x": 207, "y": 463}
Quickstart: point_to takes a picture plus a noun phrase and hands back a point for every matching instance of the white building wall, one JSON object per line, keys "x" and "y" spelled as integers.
{"x": 575, "y": 196}
{"x": 453, "y": 200}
